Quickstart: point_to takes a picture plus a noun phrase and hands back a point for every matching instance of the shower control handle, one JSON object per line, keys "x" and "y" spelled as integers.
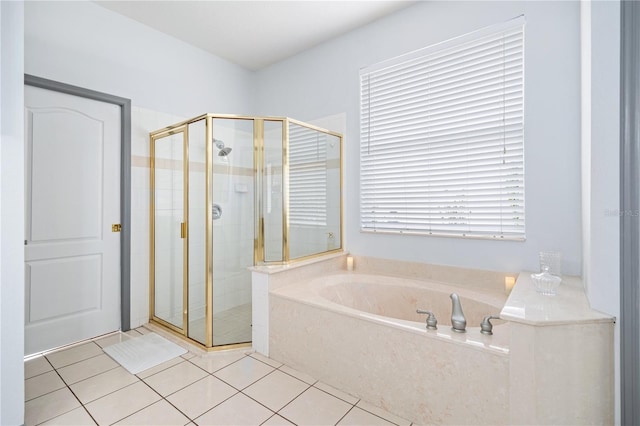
{"x": 216, "y": 212}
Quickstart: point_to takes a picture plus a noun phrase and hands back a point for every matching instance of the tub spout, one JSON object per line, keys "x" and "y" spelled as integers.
{"x": 458, "y": 322}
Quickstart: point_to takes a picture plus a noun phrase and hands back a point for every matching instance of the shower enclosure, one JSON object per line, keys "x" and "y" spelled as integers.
{"x": 228, "y": 193}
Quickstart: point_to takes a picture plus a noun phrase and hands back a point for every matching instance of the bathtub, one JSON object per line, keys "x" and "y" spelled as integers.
{"x": 550, "y": 362}
{"x": 360, "y": 333}
{"x": 388, "y": 298}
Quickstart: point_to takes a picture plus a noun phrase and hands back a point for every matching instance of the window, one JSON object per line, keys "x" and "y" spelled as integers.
{"x": 441, "y": 140}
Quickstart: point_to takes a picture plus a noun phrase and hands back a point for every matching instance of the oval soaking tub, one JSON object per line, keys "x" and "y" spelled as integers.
{"x": 361, "y": 333}
{"x": 400, "y": 298}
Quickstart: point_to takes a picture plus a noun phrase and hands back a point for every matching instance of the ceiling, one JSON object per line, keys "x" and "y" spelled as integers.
{"x": 254, "y": 34}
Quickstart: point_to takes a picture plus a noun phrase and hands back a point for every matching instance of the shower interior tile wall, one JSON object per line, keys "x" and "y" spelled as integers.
{"x": 233, "y": 233}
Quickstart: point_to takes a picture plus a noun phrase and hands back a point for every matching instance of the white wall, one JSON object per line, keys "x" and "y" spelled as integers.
{"x": 600, "y": 162}
{"x": 87, "y": 45}
{"x": 11, "y": 214}
{"x": 325, "y": 81}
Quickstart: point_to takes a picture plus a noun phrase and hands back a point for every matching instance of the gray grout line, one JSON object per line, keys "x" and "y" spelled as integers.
{"x": 146, "y": 406}
{"x": 221, "y": 402}
{"x": 337, "y": 397}
{"x": 74, "y": 363}
{"x": 160, "y": 371}
{"x": 89, "y": 377}
{"x": 38, "y": 375}
{"x": 74, "y": 395}
{"x": 345, "y": 414}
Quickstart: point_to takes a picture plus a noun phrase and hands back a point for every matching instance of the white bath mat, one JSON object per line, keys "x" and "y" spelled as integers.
{"x": 141, "y": 353}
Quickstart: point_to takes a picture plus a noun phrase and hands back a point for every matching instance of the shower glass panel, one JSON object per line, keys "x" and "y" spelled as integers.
{"x": 197, "y": 227}
{"x": 314, "y": 191}
{"x": 168, "y": 217}
{"x": 230, "y": 192}
{"x": 233, "y": 228}
{"x": 272, "y": 191}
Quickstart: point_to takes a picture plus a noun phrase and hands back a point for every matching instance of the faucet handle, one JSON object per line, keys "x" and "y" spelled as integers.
{"x": 432, "y": 322}
{"x": 485, "y": 326}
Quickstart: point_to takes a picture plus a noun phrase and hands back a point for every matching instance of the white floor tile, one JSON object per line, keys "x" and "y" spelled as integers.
{"x": 133, "y": 333}
{"x": 298, "y": 374}
{"x": 201, "y": 396}
{"x": 382, "y": 413}
{"x": 98, "y": 386}
{"x": 276, "y": 390}
{"x": 74, "y": 354}
{"x": 358, "y": 417}
{"x": 188, "y": 355}
{"x": 315, "y": 407}
{"x": 237, "y": 410}
{"x": 42, "y": 384}
{"x": 244, "y": 372}
{"x": 159, "y": 414}
{"x": 175, "y": 378}
{"x": 122, "y": 403}
{"x": 36, "y": 366}
{"x": 160, "y": 367}
{"x": 276, "y": 420}
{"x": 215, "y": 361}
{"x": 112, "y": 339}
{"x": 48, "y": 406}
{"x": 88, "y": 368}
{"x": 77, "y": 417}
{"x": 260, "y": 357}
{"x": 337, "y": 393}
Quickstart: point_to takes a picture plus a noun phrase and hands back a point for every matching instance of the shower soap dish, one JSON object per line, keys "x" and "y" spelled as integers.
{"x": 545, "y": 282}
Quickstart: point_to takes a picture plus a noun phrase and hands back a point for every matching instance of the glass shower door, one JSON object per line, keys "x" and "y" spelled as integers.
{"x": 169, "y": 229}
{"x": 233, "y": 229}
{"x": 197, "y": 230}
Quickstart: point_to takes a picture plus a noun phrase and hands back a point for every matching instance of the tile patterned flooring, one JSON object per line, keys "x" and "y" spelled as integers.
{"x": 81, "y": 385}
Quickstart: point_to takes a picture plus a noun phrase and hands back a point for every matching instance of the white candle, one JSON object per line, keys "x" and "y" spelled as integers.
{"x": 509, "y": 282}
{"x": 349, "y": 263}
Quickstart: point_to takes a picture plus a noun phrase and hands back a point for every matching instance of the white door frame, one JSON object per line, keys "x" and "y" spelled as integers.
{"x": 125, "y": 180}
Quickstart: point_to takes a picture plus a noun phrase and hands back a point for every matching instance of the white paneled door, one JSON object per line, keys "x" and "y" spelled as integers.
{"x": 72, "y": 254}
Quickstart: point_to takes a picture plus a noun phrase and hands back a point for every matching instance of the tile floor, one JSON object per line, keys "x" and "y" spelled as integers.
{"x": 81, "y": 385}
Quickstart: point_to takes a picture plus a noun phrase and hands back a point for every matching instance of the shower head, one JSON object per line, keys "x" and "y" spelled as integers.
{"x": 220, "y": 145}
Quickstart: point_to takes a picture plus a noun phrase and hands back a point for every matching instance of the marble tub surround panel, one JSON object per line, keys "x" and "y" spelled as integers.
{"x": 569, "y": 306}
{"x": 561, "y": 374}
{"x": 296, "y": 272}
{"x": 561, "y": 352}
{"x": 427, "y": 378}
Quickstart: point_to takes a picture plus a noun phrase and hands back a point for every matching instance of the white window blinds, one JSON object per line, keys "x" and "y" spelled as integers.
{"x": 442, "y": 149}
{"x": 307, "y": 176}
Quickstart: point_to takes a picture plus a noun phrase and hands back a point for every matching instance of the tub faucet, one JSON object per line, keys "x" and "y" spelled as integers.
{"x": 458, "y": 322}
{"x": 432, "y": 322}
{"x": 485, "y": 326}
